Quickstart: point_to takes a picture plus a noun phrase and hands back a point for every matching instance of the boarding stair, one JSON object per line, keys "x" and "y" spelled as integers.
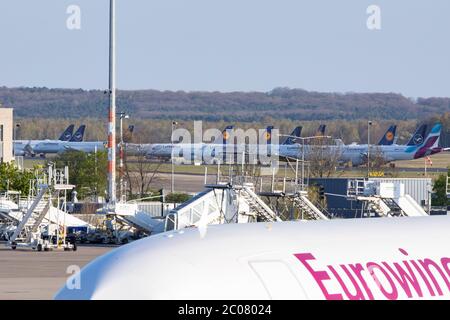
{"x": 134, "y": 223}
{"x": 311, "y": 211}
{"x": 39, "y": 208}
{"x": 39, "y": 214}
{"x": 257, "y": 205}
{"x": 8, "y": 219}
{"x": 393, "y": 206}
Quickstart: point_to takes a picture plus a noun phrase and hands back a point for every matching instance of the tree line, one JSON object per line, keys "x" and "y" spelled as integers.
{"x": 280, "y": 103}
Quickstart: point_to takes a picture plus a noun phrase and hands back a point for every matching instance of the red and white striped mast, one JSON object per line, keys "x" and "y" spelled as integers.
{"x": 112, "y": 107}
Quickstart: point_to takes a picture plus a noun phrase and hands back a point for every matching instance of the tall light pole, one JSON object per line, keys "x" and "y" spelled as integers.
{"x": 112, "y": 107}
{"x": 172, "y": 185}
{"x": 369, "y": 123}
{"x": 122, "y": 115}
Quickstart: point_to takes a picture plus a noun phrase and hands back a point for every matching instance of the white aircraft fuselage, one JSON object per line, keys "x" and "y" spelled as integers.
{"x": 54, "y": 147}
{"x": 396, "y": 258}
{"x": 357, "y": 154}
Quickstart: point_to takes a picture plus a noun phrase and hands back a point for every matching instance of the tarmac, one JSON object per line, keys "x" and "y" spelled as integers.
{"x": 26, "y": 274}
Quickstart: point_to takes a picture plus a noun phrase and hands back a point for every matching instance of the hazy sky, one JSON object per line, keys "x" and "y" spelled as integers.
{"x": 228, "y": 45}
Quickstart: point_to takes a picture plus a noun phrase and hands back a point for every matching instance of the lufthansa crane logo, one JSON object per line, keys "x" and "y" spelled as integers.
{"x": 226, "y": 135}
{"x": 418, "y": 139}
{"x": 389, "y": 136}
{"x": 268, "y": 135}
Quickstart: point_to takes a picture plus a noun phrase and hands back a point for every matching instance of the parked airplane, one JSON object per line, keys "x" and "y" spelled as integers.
{"x": 26, "y": 147}
{"x": 357, "y": 154}
{"x": 49, "y": 147}
{"x": 76, "y": 143}
{"x": 214, "y": 150}
{"x": 224, "y": 152}
{"x": 163, "y": 151}
{"x": 399, "y": 259}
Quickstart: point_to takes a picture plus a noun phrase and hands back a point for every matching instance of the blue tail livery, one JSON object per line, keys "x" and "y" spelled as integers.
{"x": 296, "y": 133}
{"x": 418, "y": 137}
{"x": 79, "y": 135}
{"x": 389, "y": 136}
{"x": 67, "y": 134}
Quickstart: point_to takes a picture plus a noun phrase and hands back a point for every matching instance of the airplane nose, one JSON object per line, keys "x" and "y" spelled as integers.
{"x": 124, "y": 273}
{"x": 94, "y": 281}
{"x": 131, "y": 272}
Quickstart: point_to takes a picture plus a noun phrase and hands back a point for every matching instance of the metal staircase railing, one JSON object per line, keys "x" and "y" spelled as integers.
{"x": 355, "y": 188}
{"x": 41, "y": 213}
{"x": 375, "y": 207}
{"x": 308, "y": 208}
{"x": 258, "y": 205}
{"x": 29, "y": 213}
{"x": 133, "y": 222}
{"x": 393, "y": 206}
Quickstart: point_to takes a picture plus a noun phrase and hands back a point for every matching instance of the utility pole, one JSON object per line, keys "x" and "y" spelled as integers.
{"x": 112, "y": 107}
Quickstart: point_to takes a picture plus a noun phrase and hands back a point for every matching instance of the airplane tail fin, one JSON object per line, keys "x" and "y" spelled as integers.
{"x": 389, "y": 136}
{"x": 418, "y": 137}
{"x": 79, "y": 135}
{"x": 226, "y": 137}
{"x": 296, "y": 133}
{"x": 432, "y": 141}
{"x": 321, "y": 130}
{"x": 268, "y": 135}
{"x": 67, "y": 134}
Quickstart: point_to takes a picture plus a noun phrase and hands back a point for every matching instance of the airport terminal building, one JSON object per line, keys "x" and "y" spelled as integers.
{"x": 6, "y": 135}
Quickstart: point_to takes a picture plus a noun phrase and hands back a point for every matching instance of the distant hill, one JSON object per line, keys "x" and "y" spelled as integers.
{"x": 280, "y": 103}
